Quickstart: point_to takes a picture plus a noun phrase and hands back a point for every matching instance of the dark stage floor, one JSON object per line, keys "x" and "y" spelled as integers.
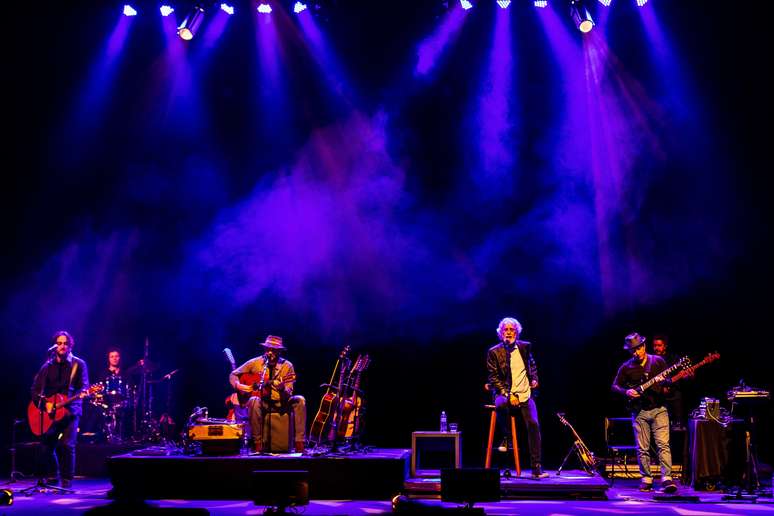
{"x": 624, "y": 498}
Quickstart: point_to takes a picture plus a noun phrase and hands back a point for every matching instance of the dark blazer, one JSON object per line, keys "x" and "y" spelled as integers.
{"x": 498, "y": 365}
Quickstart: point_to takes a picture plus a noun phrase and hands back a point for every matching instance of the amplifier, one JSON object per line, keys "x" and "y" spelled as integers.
{"x": 217, "y": 437}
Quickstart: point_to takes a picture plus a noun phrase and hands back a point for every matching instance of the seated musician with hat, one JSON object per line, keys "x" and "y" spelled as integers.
{"x": 271, "y": 390}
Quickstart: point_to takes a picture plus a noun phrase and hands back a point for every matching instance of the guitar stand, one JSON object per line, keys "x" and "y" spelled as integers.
{"x": 575, "y": 447}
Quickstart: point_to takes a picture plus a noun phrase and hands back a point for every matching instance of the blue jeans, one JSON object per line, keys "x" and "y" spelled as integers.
{"x": 653, "y": 422}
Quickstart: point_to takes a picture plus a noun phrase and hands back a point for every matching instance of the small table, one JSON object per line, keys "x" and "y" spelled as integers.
{"x": 432, "y": 451}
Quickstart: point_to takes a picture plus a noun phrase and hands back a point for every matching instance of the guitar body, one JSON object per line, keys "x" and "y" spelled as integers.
{"x": 322, "y": 418}
{"x": 54, "y": 411}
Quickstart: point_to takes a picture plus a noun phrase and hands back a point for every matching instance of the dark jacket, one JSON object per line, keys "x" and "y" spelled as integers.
{"x": 54, "y": 378}
{"x": 631, "y": 374}
{"x": 498, "y": 365}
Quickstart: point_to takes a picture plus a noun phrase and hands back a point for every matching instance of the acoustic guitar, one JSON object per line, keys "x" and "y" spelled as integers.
{"x": 352, "y": 404}
{"x": 330, "y": 400}
{"x": 585, "y": 455}
{"x": 54, "y": 409}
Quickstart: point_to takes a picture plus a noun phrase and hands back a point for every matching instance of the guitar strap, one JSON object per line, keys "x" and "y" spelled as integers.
{"x": 72, "y": 375}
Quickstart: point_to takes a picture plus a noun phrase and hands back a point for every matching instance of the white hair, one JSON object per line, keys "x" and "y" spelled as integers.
{"x": 508, "y": 320}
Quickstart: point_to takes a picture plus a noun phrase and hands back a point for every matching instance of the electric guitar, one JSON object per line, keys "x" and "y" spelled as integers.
{"x": 53, "y": 409}
{"x": 585, "y": 455}
{"x": 688, "y": 371}
{"x": 350, "y": 406}
{"x": 635, "y": 403}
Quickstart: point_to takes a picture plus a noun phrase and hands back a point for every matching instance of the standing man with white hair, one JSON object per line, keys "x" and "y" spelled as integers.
{"x": 513, "y": 378}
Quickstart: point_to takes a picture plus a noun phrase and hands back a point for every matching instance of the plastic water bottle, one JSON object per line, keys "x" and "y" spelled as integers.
{"x": 444, "y": 428}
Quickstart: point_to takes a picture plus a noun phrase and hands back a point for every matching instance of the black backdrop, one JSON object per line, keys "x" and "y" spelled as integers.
{"x": 131, "y": 200}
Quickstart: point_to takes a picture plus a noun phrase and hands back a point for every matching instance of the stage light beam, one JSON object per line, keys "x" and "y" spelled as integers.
{"x": 299, "y": 7}
{"x": 504, "y": 3}
{"x": 187, "y": 29}
{"x": 129, "y": 10}
{"x": 226, "y": 8}
{"x": 264, "y": 8}
{"x": 166, "y": 10}
{"x": 465, "y": 4}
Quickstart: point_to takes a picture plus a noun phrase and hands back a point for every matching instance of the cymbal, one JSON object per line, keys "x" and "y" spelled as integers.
{"x": 147, "y": 365}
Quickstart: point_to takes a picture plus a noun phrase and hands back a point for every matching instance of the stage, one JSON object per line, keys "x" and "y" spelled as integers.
{"x": 624, "y": 499}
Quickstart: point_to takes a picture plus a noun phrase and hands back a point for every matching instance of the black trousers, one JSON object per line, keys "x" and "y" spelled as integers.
{"x": 61, "y": 438}
{"x": 529, "y": 413}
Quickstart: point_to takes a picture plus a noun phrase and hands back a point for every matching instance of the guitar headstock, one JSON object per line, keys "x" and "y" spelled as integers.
{"x": 94, "y": 389}
{"x": 230, "y": 357}
{"x": 561, "y": 418}
{"x": 684, "y": 362}
{"x": 361, "y": 363}
{"x": 345, "y": 351}
{"x": 713, "y": 356}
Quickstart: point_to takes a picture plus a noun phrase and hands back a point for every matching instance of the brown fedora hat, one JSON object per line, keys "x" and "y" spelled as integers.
{"x": 273, "y": 342}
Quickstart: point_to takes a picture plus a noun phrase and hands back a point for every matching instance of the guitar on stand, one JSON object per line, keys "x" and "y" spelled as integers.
{"x": 330, "y": 400}
{"x": 585, "y": 456}
{"x": 352, "y": 405}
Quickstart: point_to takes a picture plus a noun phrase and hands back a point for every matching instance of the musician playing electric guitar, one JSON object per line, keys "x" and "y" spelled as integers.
{"x": 273, "y": 390}
{"x": 649, "y": 414}
{"x": 62, "y": 374}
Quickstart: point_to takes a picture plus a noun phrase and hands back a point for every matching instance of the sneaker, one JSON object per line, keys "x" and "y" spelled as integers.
{"x": 538, "y": 473}
{"x": 669, "y": 486}
{"x": 505, "y": 445}
{"x": 646, "y": 486}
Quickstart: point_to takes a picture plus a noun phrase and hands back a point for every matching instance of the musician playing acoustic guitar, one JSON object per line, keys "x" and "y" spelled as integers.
{"x": 649, "y": 415}
{"x": 268, "y": 380}
{"x": 513, "y": 378}
{"x": 65, "y": 374}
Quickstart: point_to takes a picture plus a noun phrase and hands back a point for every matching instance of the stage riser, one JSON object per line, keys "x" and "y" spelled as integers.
{"x": 366, "y": 477}
{"x": 90, "y": 459}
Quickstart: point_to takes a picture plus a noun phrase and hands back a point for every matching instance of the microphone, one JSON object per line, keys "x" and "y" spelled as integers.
{"x": 52, "y": 349}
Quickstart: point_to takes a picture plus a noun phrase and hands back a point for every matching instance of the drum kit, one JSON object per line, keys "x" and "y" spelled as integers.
{"x": 122, "y": 411}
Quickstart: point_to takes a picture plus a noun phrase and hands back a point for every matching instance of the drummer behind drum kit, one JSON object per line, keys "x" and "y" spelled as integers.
{"x": 122, "y": 411}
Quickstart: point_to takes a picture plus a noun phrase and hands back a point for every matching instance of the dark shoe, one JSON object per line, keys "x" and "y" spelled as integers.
{"x": 669, "y": 486}
{"x": 646, "y": 486}
{"x": 505, "y": 445}
{"x": 67, "y": 483}
{"x": 299, "y": 446}
{"x": 538, "y": 473}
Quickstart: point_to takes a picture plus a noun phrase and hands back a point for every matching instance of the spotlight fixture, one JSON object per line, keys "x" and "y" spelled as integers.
{"x": 640, "y": 3}
{"x": 299, "y": 7}
{"x": 581, "y": 16}
{"x": 129, "y": 10}
{"x": 226, "y": 8}
{"x": 465, "y": 4}
{"x": 503, "y": 3}
{"x": 541, "y": 3}
{"x": 166, "y": 10}
{"x": 264, "y": 8}
{"x": 606, "y": 3}
{"x": 187, "y": 29}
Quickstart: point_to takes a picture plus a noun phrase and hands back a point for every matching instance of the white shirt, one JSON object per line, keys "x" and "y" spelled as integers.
{"x": 519, "y": 380}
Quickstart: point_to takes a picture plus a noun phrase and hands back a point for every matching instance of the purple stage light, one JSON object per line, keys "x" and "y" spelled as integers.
{"x": 503, "y": 3}
{"x": 606, "y": 3}
{"x": 640, "y": 3}
{"x": 581, "y": 16}
{"x": 129, "y": 10}
{"x": 541, "y": 3}
{"x": 264, "y": 8}
{"x": 166, "y": 10}
{"x": 465, "y": 4}
{"x": 299, "y": 7}
{"x": 228, "y": 9}
{"x": 187, "y": 29}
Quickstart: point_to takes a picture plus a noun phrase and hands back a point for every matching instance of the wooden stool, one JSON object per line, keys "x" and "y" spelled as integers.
{"x": 490, "y": 444}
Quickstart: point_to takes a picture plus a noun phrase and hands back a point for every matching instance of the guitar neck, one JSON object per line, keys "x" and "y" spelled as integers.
{"x": 690, "y": 370}
{"x": 659, "y": 377}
